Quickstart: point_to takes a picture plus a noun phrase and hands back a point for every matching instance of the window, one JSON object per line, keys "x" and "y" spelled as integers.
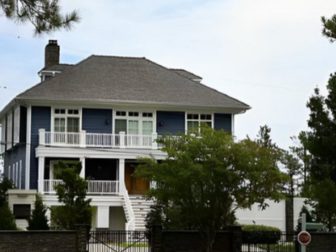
{"x": 196, "y": 121}
{"x": 134, "y": 122}
{"x": 66, "y": 120}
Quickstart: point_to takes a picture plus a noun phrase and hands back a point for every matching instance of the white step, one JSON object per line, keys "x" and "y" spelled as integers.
{"x": 141, "y": 208}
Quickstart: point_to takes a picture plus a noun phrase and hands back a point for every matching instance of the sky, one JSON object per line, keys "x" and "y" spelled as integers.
{"x": 269, "y": 54}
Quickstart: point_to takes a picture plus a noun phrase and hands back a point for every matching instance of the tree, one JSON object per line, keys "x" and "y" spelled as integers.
{"x": 72, "y": 193}
{"x": 310, "y": 217}
{"x": 321, "y": 143}
{"x": 204, "y": 179}
{"x": 38, "y": 219}
{"x": 329, "y": 27}
{"x": 7, "y": 220}
{"x": 293, "y": 168}
{"x": 5, "y": 185}
{"x": 44, "y": 15}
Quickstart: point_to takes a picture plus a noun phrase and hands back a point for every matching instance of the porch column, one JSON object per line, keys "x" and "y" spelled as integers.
{"x": 103, "y": 217}
{"x": 121, "y": 173}
{"x": 40, "y": 174}
{"x": 82, "y": 172}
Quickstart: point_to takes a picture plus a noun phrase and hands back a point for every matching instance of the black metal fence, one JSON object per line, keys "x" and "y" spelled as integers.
{"x": 286, "y": 243}
{"x": 118, "y": 241}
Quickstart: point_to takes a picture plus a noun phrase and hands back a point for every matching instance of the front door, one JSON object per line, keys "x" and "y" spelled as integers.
{"x": 134, "y": 185}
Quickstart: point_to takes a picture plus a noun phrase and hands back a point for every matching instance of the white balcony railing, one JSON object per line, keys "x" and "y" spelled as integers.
{"x": 97, "y": 140}
{"x": 94, "y": 186}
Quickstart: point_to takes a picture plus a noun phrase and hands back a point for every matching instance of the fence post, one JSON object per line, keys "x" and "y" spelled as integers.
{"x": 236, "y": 238}
{"x": 82, "y": 237}
{"x": 156, "y": 238}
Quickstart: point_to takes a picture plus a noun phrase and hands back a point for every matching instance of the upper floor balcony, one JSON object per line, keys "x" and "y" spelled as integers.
{"x": 84, "y": 139}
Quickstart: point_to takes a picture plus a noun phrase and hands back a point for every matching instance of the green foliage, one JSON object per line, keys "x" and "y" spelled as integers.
{"x": 5, "y": 185}
{"x": 72, "y": 193}
{"x": 329, "y": 28}
{"x": 254, "y": 234}
{"x": 204, "y": 179}
{"x": 294, "y": 169}
{"x": 257, "y": 228}
{"x": 38, "y": 219}
{"x": 44, "y": 15}
{"x": 310, "y": 217}
{"x": 7, "y": 220}
{"x": 320, "y": 141}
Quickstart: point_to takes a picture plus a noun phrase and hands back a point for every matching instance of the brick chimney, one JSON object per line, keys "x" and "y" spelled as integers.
{"x": 51, "y": 54}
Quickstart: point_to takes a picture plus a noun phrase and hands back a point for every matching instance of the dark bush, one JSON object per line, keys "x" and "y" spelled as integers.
{"x": 254, "y": 234}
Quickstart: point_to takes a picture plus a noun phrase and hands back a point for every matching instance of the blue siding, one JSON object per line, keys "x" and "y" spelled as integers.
{"x": 170, "y": 122}
{"x": 97, "y": 120}
{"x": 40, "y": 119}
{"x": 224, "y": 122}
{"x": 13, "y": 156}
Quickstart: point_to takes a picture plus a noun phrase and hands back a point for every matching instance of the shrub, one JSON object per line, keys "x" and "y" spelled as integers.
{"x": 7, "y": 220}
{"x": 254, "y": 234}
{"x": 38, "y": 220}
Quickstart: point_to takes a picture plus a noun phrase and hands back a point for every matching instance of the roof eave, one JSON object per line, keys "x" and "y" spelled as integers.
{"x": 159, "y": 105}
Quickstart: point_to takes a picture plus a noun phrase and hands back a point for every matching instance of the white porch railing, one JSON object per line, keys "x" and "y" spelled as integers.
{"x": 94, "y": 186}
{"x": 49, "y": 185}
{"x": 103, "y": 187}
{"x": 98, "y": 140}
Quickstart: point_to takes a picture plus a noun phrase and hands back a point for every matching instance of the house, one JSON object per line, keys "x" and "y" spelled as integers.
{"x": 105, "y": 112}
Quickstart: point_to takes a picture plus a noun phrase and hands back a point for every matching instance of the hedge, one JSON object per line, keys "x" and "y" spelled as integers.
{"x": 254, "y": 234}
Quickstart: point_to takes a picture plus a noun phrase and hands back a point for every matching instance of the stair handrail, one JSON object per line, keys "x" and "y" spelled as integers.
{"x": 130, "y": 225}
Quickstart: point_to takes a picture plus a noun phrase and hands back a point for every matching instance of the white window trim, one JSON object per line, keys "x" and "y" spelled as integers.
{"x": 66, "y": 115}
{"x": 140, "y": 118}
{"x": 199, "y": 119}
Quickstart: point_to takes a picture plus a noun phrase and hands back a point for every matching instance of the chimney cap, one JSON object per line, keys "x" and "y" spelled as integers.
{"x": 52, "y": 42}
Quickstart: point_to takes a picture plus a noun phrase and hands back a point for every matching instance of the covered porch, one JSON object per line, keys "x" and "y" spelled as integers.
{"x": 102, "y": 175}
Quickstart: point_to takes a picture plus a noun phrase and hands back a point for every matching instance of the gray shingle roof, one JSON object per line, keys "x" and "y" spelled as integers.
{"x": 127, "y": 79}
{"x": 59, "y": 67}
{"x": 186, "y": 74}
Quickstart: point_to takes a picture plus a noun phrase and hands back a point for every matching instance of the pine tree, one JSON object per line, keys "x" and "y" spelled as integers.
{"x": 329, "y": 28}
{"x": 321, "y": 143}
{"x": 38, "y": 219}
{"x": 44, "y": 15}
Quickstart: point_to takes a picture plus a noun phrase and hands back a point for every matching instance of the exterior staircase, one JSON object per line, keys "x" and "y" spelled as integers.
{"x": 141, "y": 208}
